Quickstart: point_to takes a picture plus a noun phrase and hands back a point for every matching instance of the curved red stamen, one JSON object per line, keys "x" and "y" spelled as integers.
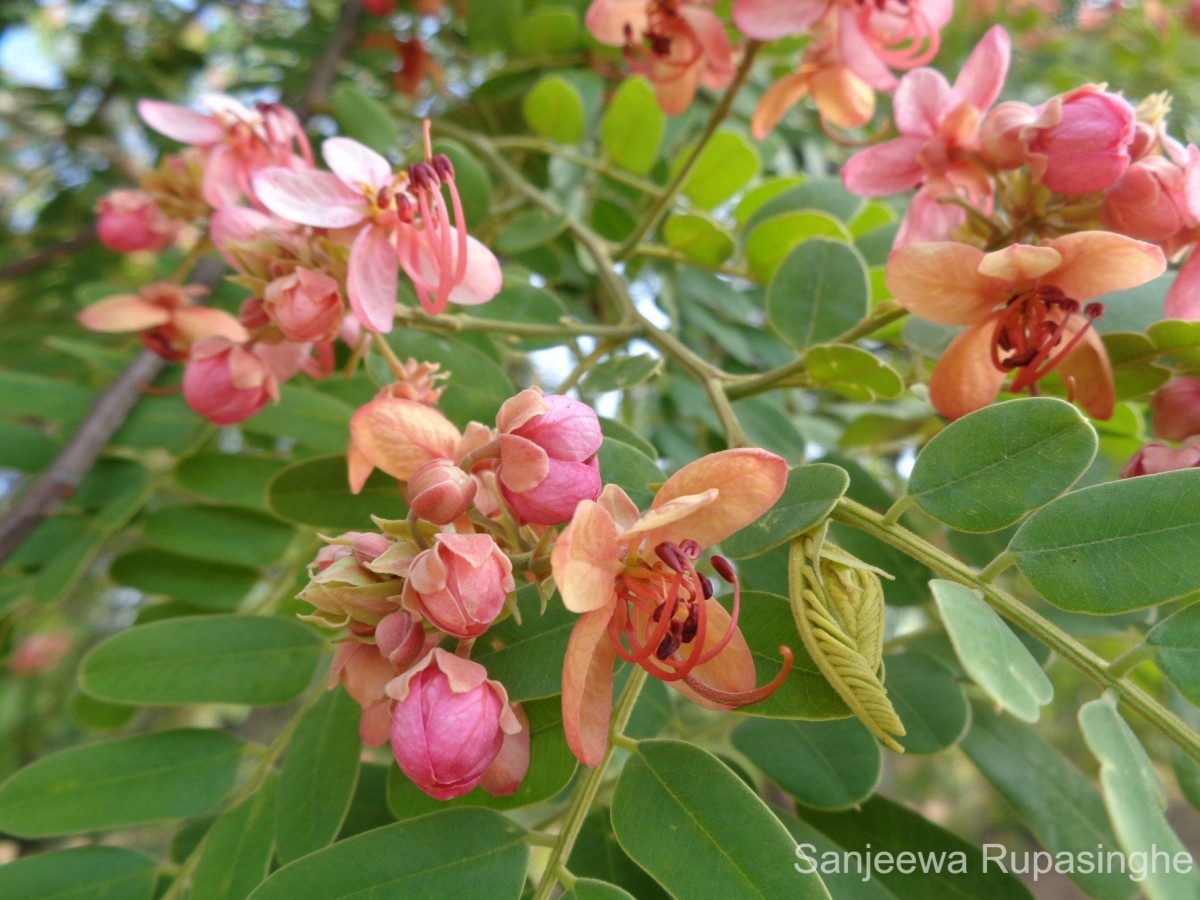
{"x": 744, "y": 698}
{"x": 731, "y": 630}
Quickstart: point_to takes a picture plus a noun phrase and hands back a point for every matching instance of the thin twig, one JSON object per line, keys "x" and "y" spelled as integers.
{"x": 47, "y": 255}
{"x": 320, "y": 79}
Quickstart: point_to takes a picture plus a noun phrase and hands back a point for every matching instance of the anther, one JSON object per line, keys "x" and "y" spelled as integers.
{"x": 705, "y": 585}
{"x": 670, "y": 555}
{"x": 442, "y": 165}
{"x": 423, "y": 176}
{"x": 723, "y": 568}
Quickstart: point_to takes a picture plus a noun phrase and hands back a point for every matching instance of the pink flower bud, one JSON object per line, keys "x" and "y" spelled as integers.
{"x": 1155, "y": 458}
{"x": 459, "y": 584}
{"x": 548, "y": 447}
{"x": 225, "y": 382}
{"x": 1000, "y": 134}
{"x": 440, "y": 492}
{"x": 1146, "y": 202}
{"x": 305, "y": 305}
{"x": 1081, "y": 139}
{"x": 448, "y": 724}
{"x": 401, "y": 638}
{"x": 130, "y": 221}
{"x": 1175, "y": 409}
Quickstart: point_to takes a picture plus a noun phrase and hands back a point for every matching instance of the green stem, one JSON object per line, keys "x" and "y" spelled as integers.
{"x": 663, "y": 202}
{"x": 1130, "y": 659}
{"x": 451, "y": 324}
{"x": 655, "y": 251}
{"x": 585, "y": 794}
{"x": 577, "y": 159}
{"x": 1075, "y": 653}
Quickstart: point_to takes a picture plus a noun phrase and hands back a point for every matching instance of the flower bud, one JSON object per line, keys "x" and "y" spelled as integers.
{"x": 401, "y": 639}
{"x": 1080, "y": 141}
{"x": 1155, "y": 458}
{"x": 460, "y": 584}
{"x": 130, "y": 221}
{"x": 40, "y": 652}
{"x": 1000, "y": 134}
{"x": 548, "y": 447}
{"x": 305, "y": 305}
{"x": 1146, "y": 202}
{"x": 440, "y": 492}
{"x": 448, "y": 724}
{"x": 1175, "y": 409}
{"x": 225, "y": 382}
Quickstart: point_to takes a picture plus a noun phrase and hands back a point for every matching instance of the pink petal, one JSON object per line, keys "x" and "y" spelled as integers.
{"x": 941, "y": 282}
{"x": 236, "y": 223}
{"x": 766, "y": 20}
{"x": 887, "y": 168}
{"x": 928, "y": 221}
{"x": 1099, "y": 262}
{"x": 1183, "y": 299}
{"x": 523, "y": 464}
{"x": 964, "y": 379}
{"x": 920, "y": 103}
{"x": 123, "y": 312}
{"x": 219, "y": 186}
{"x": 857, "y": 52}
{"x": 309, "y": 197}
{"x": 198, "y": 322}
{"x": 982, "y": 75}
{"x": 180, "y": 123}
{"x": 483, "y": 279}
{"x": 504, "y": 776}
{"x": 606, "y": 20}
{"x": 355, "y": 164}
{"x": 587, "y": 687}
{"x": 373, "y": 278}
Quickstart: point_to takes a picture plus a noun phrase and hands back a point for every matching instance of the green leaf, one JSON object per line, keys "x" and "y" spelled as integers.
{"x": 988, "y": 469}
{"x": 1180, "y": 340}
{"x": 990, "y": 653}
{"x": 162, "y": 423}
{"x": 256, "y": 660}
{"x": 528, "y": 230}
{"x": 24, "y": 448}
{"x": 818, "y": 292}
{"x": 766, "y": 623}
{"x": 619, "y": 373}
{"x": 826, "y": 195}
{"x": 225, "y": 534}
{"x": 698, "y": 238}
{"x": 318, "y": 778}
{"x": 208, "y": 585}
{"x": 363, "y": 118}
{"x": 952, "y": 868}
{"x": 528, "y": 658}
{"x": 554, "y": 109}
{"x": 631, "y": 469}
{"x": 597, "y": 854}
{"x": 316, "y": 493}
{"x": 633, "y": 127}
{"x": 829, "y": 765}
{"x": 309, "y": 417}
{"x": 773, "y": 239}
{"x": 1135, "y": 801}
{"x": 853, "y": 372}
{"x": 477, "y": 385}
{"x": 724, "y": 841}
{"x": 228, "y": 478}
{"x": 591, "y": 889}
{"x": 726, "y": 163}
{"x": 549, "y": 31}
{"x": 445, "y": 854}
{"x": 1116, "y": 547}
{"x": 83, "y": 873}
{"x": 842, "y": 882}
{"x": 237, "y": 849}
{"x": 811, "y": 494}
{"x": 1176, "y": 643}
{"x": 551, "y": 765}
{"x": 121, "y": 783}
{"x": 471, "y": 178}
{"x": 930, "y": 703}
{"x": 23, "y": 395}
{"x": 1059, "y": 804}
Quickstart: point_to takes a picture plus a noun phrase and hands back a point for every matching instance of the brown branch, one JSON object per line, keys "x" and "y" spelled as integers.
{"x": 47, "y": 255}
{"x": 320, "y": 80}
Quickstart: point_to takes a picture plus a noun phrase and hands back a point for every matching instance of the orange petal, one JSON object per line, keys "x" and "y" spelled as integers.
{"x": 587, "y": 687}
{"x": 843, "y": 98}
{"x": 940, "y": 281}
{"x": 730, "y": 670}
{"x": 198, "y": 322}
{"x": 618, "y": 505}
{"x": 776, "y": 101}
{"x": 1098, "y": 262}
{"x": 1087, "y": 363}
{"x": 520, "y": 408}
{"x": 124, "y": 312}
{"x": 748, "y": 481}
{"x": 360, "y": 467}
{"x": 524, "y": 465}
{"x": 399, "y": 436}
{"x": 1020, "y": 263}
{"x": 965, "y": 379}
{"x": 585, "y": 559}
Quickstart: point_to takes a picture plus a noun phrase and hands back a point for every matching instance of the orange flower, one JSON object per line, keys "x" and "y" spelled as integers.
{"x": 1024, "y": 306}
{"x": 634, "y": 581}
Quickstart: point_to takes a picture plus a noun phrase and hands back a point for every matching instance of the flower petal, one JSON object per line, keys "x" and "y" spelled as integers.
{"x": 606, "y": 20}
{"x": 587, "y": 687}
{"x": 1183, "y": 299}
{"x": 1099, "y": 262}
{"x": 483, "y": 279}
{"x": 309, "y": 197}
{"x": 180, "y": 123}
{"x": 372, "y": 279}
{"x": 920, "y": 102}
{"x": 399, "y": 436}
{"x": 766, "y": 20}
{"x": 123, "y": 312}
{"x": 730, "y": 670}
{"x": 504, "y": 776}
{"x": 982, "y": 75}
{"x": 355, "y": 164}
{"x": 1088, "y": 367}
{"x": 965, "y": 379}
{"x": 1020, "y": 264}
{"x": 940, "y": 282}
{"x": 887, "y": 168}
{"x": 523, "y": 464}
{"x": 776, "y": 101}
{"x": 585, "y": 559}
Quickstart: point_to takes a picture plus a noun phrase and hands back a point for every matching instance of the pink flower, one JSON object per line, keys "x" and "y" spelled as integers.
{"x": 460, "y": 584}
{"x": 306, "y": 305}
{"x": 641, "y": 598}
{"x": 547, "y": 447}
{"x": 1023, "y": 306}
{"x": 677, "y": 44}
{"x": 227, "y": 383}
{"x": 130, "y": 221}
{"x": 1148, "y": 201}
{"x": 403, "y": 221}
{"x": 448, "y": 724}
{"x": 1080, "y": 140}
{"x": 440, "y": 492}
{"x": 165, "y": 317}
{"x": 239, "y": 141}
{"x": 938, "y": 125}
{"x": 1175, "y": 409}
{"x": 1155, "y": 458}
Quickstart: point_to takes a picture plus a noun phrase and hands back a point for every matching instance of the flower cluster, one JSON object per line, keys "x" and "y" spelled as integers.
{"x": 319, "y": 251}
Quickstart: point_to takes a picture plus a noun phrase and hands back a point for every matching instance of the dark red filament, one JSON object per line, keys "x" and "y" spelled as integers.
{"x": 1032, "y": 329}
